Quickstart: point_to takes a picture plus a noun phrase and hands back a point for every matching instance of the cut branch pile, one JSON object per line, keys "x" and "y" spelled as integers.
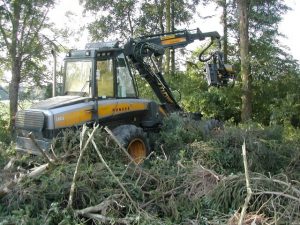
{"x": 89, "y": 178}
{"x": 275, "y": 196}
{"x": 103, "y": 190}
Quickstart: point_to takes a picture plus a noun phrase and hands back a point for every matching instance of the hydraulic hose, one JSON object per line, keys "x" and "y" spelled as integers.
{"x": 201, "y": 59}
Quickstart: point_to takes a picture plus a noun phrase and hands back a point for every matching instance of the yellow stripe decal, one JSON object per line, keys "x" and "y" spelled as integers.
{"x": 173, "y": 41}
{"x": 118, "y": 108}
{"x": 167, "y": 37}
{"x": 84, "y": 115}
{"x": 72, "y": 118}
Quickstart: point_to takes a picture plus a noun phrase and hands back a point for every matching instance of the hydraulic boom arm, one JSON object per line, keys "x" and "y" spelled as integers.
{"x": 142, "y": 51}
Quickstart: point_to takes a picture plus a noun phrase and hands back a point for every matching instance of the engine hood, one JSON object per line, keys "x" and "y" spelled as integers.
{"x": 59, "y": 101}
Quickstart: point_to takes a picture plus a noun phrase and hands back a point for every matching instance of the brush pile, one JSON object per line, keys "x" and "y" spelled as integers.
{"x": 192, "y": 177}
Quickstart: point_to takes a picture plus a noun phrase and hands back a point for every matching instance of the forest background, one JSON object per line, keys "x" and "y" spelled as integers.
{"x": 263, "y": 106}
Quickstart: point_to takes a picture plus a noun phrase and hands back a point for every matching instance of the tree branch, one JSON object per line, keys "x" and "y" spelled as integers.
{"x": 48, "y": 159}
{"x": 23, "y": 30}
{"x": 7, "y": 187}
{"x": 120, "y": 145}
{"x": 5, "y": 37}
{"x": 112, "y": 173}
{"x": 289, "y": 185}
{"x": 82, "y": 150}
{"x": 35, "y": 34}
{"x": 278, "y": 194}
{"x": 109, "y": 220}
{"x": 130, "y": 22}
{"x": 100, "y": 207}
{"x": 249, "y": 191}
{"x": 5, "y": 8}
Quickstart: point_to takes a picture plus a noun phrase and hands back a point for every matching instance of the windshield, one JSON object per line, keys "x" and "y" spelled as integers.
{"x": 78, "y": 76}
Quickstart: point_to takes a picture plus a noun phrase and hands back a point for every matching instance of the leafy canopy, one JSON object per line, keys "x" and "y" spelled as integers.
{"x": 23, "y": 40}
{"x": 126, "y": 18}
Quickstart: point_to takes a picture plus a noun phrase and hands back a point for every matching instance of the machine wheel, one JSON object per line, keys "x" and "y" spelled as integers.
{"x": 134, "y": 139}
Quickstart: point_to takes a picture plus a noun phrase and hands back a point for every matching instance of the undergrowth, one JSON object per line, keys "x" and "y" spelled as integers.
{"x": 268, "y": 150}
{"x": 4, "y": 134}
{"x": 194, "y": 175}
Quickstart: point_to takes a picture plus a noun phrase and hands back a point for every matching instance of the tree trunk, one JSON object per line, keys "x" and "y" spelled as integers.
{"x": 173, "y": 29}
{"x": 130, "y": 22}
{"x": 14, "y": 93}
{"x": 168, "y": 29}
{"x": 15, "y": 66}
{"x": 160, "y": 10}
{"x": 225, "y": 30}
{"x": 243, "y": 9}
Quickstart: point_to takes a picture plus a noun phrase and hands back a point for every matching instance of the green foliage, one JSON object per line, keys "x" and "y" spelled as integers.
{"x": 268, "y": 150}
{"x": 177, "y": 133}
{"x": 286, "y": 106}
{"x": 23, "y": 46}
{"x": 44, "y": 198}
{"x": 230, "y": 195}
{"x": 5, "y": 137}
{"x": 124, "y": 19}
{"x": 212, "y": 102}
{"x": 153, "y": 19}
{"x": 115, "y": 16}
{"x": 275, "y": 101}
{"x": 4, "y": 131}
{"x": 171, "y": 186}
{"x": 269, "y": 61}
{"x": 29, "y": 18}
{"x": 275, "y": 73}
{"x": 144, "y": 89}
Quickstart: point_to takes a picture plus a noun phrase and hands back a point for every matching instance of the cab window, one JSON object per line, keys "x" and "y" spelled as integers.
{"x": 125, "y": 84}
{"x": 77, "y": 78}
{"x": 105, "y": 78}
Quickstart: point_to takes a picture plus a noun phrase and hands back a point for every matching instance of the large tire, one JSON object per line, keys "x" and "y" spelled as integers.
{"x": 134, "y": 140}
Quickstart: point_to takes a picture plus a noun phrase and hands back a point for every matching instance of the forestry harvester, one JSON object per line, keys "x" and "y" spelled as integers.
{"x": 99, "y": 87}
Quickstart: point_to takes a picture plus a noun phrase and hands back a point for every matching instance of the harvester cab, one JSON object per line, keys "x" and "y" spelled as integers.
{"x": 93, "y": 71}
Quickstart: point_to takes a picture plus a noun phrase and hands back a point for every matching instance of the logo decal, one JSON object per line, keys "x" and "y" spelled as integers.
{"x": 59, "y": 118}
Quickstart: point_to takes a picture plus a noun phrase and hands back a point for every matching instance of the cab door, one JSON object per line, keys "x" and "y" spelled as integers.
{"x": 116, "y": 91}
{"x": 126, "y": 87}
